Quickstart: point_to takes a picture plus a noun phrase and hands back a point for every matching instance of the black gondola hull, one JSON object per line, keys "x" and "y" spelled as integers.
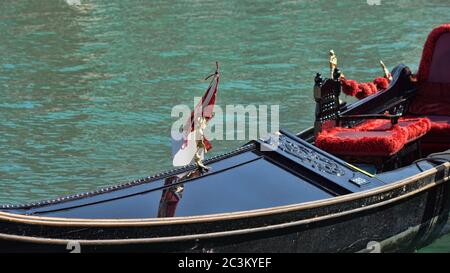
{"x": 369, "y": 223}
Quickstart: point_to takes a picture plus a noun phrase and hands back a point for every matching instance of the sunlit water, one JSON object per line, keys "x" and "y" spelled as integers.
{"x": 87, "y": 86}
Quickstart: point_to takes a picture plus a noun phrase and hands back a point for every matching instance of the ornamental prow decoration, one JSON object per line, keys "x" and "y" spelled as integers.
{"x": 304, "y": 154}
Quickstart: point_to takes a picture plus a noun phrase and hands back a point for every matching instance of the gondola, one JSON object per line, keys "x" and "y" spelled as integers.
{"x": 370, "y": 176}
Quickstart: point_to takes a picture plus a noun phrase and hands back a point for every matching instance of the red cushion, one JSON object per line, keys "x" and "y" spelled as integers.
{"x": 373, "y": 138}
{"x": 414, "y": 127}
{"x": 351, "y": 141}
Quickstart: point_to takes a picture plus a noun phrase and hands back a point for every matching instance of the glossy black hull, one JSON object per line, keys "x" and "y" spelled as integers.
{"x": 412, "y": 217}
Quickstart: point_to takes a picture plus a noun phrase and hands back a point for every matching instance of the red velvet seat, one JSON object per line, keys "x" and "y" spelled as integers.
{"x": 413, "y": 127}
{"x": 345, "y": 141}
{"x": 433, "y": 97}
{"x": 373, "y": 138}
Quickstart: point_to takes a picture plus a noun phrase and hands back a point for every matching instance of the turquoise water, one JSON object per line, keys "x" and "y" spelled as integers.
{"x": 86, "y": 90}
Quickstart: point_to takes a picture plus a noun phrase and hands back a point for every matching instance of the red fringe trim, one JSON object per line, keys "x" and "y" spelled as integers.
{"x": 381, "y": 83}
{"x": 349, "y": 87}
{"x": 362, "y": 90}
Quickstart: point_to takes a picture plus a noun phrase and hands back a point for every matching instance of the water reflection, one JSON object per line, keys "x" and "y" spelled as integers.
{"x": 172, "y": 195}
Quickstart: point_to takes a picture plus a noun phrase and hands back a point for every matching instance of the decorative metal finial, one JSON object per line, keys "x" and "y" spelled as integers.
{"x": 333, "y": 63}
{"x": 200, "y": 141}
{"x": 318, "y": 79}
{"x": 386, "y": 72}
{"x": 337, "y": 74}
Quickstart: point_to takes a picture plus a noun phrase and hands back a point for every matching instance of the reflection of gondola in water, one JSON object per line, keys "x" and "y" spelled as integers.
{"x": 171, "y": 195}
{"x": 173, "y": 192}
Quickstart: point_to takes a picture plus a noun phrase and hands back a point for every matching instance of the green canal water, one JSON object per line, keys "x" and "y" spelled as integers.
{"x": 86, "y": 89}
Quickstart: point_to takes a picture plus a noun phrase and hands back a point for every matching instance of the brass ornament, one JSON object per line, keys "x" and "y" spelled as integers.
{"x": 386, "y": 72}
{"x": 200, "y": 141}
{"x": 333, "y": 63}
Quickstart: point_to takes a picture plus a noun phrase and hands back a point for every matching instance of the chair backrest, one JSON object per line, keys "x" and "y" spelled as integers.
{"x": 435, "y": 63}
{"x": 433, "y": 76}
{"x": 326, "y": 95}
{"x": 440, "y": 65}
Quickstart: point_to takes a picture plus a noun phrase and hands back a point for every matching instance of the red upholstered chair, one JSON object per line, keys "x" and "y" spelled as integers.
{"x": 379, "y": 139}
{"x": 433, "y": 97}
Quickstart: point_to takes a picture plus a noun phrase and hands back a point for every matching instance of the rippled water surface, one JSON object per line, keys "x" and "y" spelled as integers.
{"x": 86, "y": 89}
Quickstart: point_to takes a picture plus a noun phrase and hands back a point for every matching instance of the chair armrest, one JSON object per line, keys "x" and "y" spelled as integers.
{"x": 399, "y": 88}
{"x": 396, "y": 103}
